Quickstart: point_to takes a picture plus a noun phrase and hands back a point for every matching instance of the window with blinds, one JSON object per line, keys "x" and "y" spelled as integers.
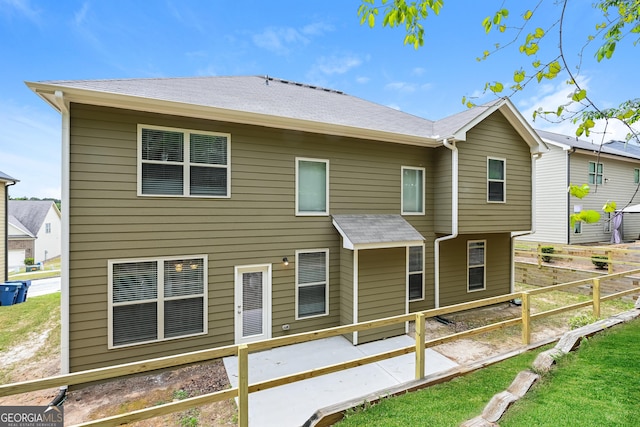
{"x": 312, "y": 283}
{"x": 415, "y": 274}
{"x": 176, "y": 162}
{"x": 312, "y": 187}
{"x": 476, "y": 259}
{"x": 154, "y": 300}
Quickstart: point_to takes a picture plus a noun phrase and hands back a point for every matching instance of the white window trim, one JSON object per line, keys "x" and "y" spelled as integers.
{"x": 326, "y": 291}
{"x": 504, "y": 181}
{"x": 186, "y": 163}
{"x": 160, "y": 299}
{"x": 636, "y": 176}
{"x": 415, "y": 272}
{"x": 402, "y": 169}
{"x": 484, "y": 265}
{"x": 595, "y": 174}
{"x": 308, "y": 159}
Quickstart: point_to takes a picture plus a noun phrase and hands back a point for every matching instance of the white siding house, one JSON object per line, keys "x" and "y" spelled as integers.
{"x": 34, "y": 229}
{"x": 611, "y": 175}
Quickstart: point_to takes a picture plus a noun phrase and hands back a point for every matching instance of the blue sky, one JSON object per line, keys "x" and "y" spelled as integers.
{"x": 314, "y": 42}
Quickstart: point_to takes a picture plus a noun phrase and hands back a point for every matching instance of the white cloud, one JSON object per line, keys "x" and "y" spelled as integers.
{"x": 30, "y": 149}
{"x": 418, "y": 71}
{"x": 316, "y": 29}
{"x": 279, "y": 39}
{"x": 550, "y": 96}
{"x": 80, "y": 16}
{"x": 23, "y": 7}
{"x": 394, "y": 106}
{"x": 362, "y": 79}
{"x": 401, "y": 87}
{"x": 337, "y": 64}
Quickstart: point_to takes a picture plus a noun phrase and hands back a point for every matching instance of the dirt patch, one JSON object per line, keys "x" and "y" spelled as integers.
{"x": 142, "y": 391}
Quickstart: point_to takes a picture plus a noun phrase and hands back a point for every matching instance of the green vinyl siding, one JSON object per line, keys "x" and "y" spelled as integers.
{"x": 453, "y": 268}
{"x": 442, "y": 190}
{"x": 381, "y": 290}
{"x": 496, "y": 138}
{"x": 346, "y": 286}
{"x": 256, "y": 225}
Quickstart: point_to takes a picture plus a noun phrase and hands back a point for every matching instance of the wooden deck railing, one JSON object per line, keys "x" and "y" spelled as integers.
{"x": 242, "y": 352}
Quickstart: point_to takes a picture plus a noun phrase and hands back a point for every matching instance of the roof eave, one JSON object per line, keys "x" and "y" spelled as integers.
{"x": 153, "y": 105}
{"x": 524, "y": 129}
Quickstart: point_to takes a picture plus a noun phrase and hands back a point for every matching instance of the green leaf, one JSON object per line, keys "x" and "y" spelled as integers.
{"x": 527, "y": 15}
{"x": 487, "y": 24}
{"x": 372, "y": 20}
{"x": 579, "y": 95}
{"x": 590, "y": 216}
{"x": 609, "y": 207}
{"x": 560, "y": 110}
{"x": 579, "y": 192}
{"x": 518, "y": 76}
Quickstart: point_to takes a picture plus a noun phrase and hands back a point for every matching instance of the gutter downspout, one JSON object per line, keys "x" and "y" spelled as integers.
{"x": 514, "y": 234}
{"x": 454, "y": 218}
{"x": 64, "y": 258}
{"x": 569, "y": 209}
{"x": 6, "y": 230}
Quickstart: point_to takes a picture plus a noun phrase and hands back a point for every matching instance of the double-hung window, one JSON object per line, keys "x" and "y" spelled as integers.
{"x": 496, "y": 180}
{"x": 178, "y": 162}
{"x": 476, "y": 260}
{"x": 312, "y": 186}
{"x": 636, "y": 176}
{"x": 595, "y": 173}
{"x": 312, "y": 283}
{"x": 47, "y": 228}
{"x": 415, "y": 273}
{"x": 156, "y": 299}
{"x": 412, "y": 191}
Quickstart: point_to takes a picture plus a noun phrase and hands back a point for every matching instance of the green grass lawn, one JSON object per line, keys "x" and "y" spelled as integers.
{"x": 21, "y": 322}
{"x": 51, "y": 268}
{"x": 599, "y": 385}
{"x": 447, "y": 404}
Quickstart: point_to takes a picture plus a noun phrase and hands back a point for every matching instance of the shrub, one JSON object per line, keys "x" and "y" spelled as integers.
{"x": 581, "y": 320}
{"x": 28, "y": 261}
{"x": 600, "y": 261}
{"x": 547, "y": 250}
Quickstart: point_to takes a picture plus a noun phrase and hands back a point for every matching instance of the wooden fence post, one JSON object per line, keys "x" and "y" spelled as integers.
{"x": 539, "y": 250}
{"x": 243, "y": 385}
{"x": 526, "y": 318}
{"x": 420, "y": 338}
{"x": 609, "y": 262}
{"x": 596, "y": 298}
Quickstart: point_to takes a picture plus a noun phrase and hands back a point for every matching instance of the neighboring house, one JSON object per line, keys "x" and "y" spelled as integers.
{"x": 202, "y": 212}
{"x": 35, "y": 229}
{"x": 612, "y": 175}
{"x": 5, "y": 182}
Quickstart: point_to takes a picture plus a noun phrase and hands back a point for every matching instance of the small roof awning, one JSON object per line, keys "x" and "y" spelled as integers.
{"x": 631, "y": 209}
{"x": 371, "y": 231}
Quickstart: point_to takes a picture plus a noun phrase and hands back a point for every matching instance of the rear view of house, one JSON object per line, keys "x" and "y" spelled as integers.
{"x": 209, "y": 211}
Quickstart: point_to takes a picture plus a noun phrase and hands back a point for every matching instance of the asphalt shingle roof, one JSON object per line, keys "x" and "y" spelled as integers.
{"x": 5, "y": 177}
{"x": 268, "y": 96}
{"x": 370, "y": 228}
{"x": 30, "y": 213}
{"x": 574, "y": 142}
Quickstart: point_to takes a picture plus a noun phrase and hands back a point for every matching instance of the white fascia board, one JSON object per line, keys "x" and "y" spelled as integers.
{"x": 386, "y": 245}
{"x": 565, "y": 147}
{"x": 151, "y": 105}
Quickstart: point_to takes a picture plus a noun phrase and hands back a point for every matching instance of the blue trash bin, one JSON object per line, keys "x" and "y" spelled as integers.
{"x": 22, "y": 292}
{"x": 9, "y": 293}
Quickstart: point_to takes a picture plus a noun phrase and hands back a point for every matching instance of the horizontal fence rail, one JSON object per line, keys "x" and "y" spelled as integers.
{"x": 242, "y": 352}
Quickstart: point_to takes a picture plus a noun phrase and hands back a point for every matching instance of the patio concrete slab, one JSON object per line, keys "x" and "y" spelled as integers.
{"x": 293, "y": 404}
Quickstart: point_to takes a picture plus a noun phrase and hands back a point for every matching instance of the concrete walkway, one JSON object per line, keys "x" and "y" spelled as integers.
{"x": 292, "y": 404}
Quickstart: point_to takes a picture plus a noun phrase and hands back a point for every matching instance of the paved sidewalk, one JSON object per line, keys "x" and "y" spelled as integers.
{"x": 292, "y": 404}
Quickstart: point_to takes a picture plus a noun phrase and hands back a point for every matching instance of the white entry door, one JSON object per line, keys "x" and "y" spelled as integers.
{"x": 253, "y": 303}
